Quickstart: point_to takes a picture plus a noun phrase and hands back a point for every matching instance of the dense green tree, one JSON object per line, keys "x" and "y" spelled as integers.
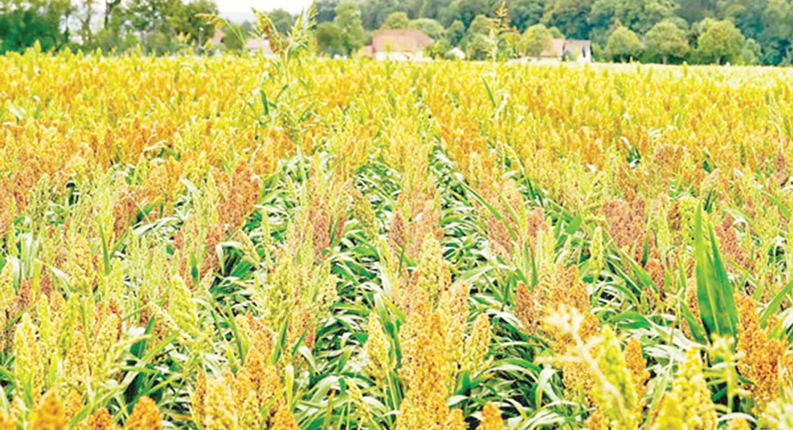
{"x": 455, "y": 33}
{"x": 667, "y": 41}
{"x": 764, "y": 27}
{"x": 116, "y": 34}
{"x": 110, "y": 7}
{"x": 348, "y": 19}
{"x": 510, "y": 45}
{"x": 719, "y": 41}
{"x": 637, "y": 15}
{"x": 535, "y": 39}
{"x": 478, "y": 39}
{"x": 150, "y": 18}
{"x": 695, "y": 10}
{"x": 22, "y": 24}
{"x": 448, "y": 14}
{"x": 623, "y": 45}
{"x": 525, "y": 13}
{"x": 185, "y": 20}
{"x": 480, "y": 25}
{"x": 570, "y": 16}
{"x": 777, "y": 34}
{"x": 85, "y": 11}
{"x": 375, "y": 12}
{"x": 325, "y": 9}
{"x": 432, "y": 28}
{"x": 396, "y": 20}
{"x": 235, "y": 37}
{"x": 751, "y": 52}
{"x": 432, "y": 9}
{"x": 471, "y": 9}
{"x": 329, "y": 38}
{"x": 282, "y": 20}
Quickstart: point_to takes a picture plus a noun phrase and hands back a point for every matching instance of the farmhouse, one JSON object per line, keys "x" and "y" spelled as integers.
{"x": 567, "y": 49}
{"x": 217, "y": 38}
{"x": 578, "y": 50}
{"x": 398, "y": 45}
{"x": 254, "y": 45}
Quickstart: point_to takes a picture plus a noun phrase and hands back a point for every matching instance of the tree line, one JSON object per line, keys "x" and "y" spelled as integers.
{"x": 157, "y": 26}
{"x": 662, "y": 31}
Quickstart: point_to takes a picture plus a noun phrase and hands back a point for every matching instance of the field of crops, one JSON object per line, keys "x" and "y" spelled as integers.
{"x": 234, "y": 243}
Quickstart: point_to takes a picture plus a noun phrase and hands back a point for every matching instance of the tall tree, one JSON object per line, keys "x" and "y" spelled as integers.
{"x": 623, "y": 45}
{"x": 86, "y": 13}
{"x": 330, "y": 39}
{"x": 325, "y": 9}
{"x": 434, "y": 9}
{"x": 375, "y": 12}
{"x": 696, "y": 10}
{"x": 719, "y": 41}
{"x": 110, "y": 6}
{"x": 185, "y": 19}
{"x": 348, "y": 18}
{"x": 235, "y": 37}
{"x": 637, "y": 15}
{"x": 777, "y": 35}
{"x": 116, "y": 34}
{"x": 570, "y": 16}
{"x": 747, "y": 15}
{"x": 430, "y": 27}
{"x": 666, "y": 40}
{"x": 470, "y": 9}
{"x": 535, "y": 39}
{"x": 150, "y": 19}
{"x": 478, "y": 40}
{"x": 455, "y": 33}
{"x": 24, "y": 23}
{"x": 525, "y": 13}
{"x": 396, "y": 20}
{"x": 282, "y": 20}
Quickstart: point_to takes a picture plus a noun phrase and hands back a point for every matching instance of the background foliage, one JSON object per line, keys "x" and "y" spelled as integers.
{"x": 669, "y": 31}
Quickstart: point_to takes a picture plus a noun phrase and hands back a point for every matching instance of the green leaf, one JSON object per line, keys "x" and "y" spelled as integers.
{"x": 782, "y": 208}
{"x": 697, "y": 331}
{"x": 714, "y": 292}
{"x": 492, "y": 210}
{"x": 775, "y": 303}
{"x": 105, "y": 253}
{"x": 489, "y": 93}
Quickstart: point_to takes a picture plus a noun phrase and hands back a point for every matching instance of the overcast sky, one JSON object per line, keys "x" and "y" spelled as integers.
{"x": 241, "y": 9}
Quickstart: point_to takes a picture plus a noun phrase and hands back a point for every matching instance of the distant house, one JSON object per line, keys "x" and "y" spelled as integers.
{"x": 398, "y": 45}
{"x": 456, "y": 53}
{"x": 365, "y": 51}
{"x": 254, "y": 45}
{"x": 554, "y": 51}
{"x": 217, "y": 38}
{"x": 564, "y": 49}
{"x": 578, "y": 50}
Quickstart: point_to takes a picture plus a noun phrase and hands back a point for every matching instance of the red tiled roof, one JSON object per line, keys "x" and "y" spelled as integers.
{"x": 258, "y": 44}
{"x": 400, "y": 40}
{"x": 554, "y": 49}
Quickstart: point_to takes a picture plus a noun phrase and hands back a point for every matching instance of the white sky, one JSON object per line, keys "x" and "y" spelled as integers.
{"x": 233, "y": 8}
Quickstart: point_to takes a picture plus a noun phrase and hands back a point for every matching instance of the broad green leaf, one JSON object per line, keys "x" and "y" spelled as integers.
{"x": 714, "y": 292}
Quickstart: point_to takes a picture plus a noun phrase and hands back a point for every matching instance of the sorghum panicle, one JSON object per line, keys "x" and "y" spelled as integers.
{"x": 48, "y": 414}
{"x": 377, "y": 347}
{"x": 762, "y": 357}
{"x": 491, "y": 418}
{"x": 145, "y": 416}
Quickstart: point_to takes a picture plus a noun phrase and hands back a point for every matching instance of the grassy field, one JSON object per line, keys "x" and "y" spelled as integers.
{"x": 233, "y": 243}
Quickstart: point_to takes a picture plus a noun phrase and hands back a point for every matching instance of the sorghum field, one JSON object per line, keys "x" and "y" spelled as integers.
{"x": 238, "y": 243}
